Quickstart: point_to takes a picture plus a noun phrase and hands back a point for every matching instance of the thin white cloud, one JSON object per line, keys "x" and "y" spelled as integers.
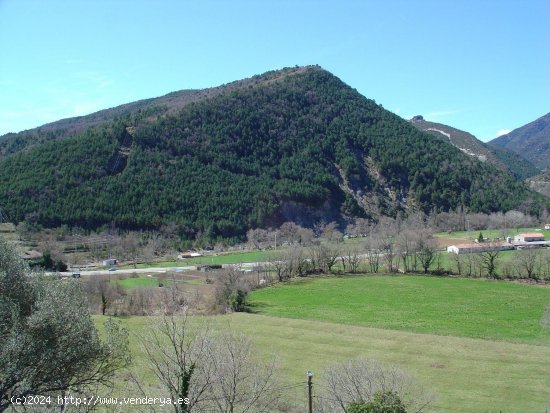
{"x": 503, "y": 132}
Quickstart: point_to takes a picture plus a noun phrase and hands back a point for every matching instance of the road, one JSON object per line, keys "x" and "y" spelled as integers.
{"x": 126, "y": 271}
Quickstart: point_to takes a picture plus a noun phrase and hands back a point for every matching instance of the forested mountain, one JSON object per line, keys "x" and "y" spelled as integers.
{"x": 502, "y": 158}
{"x": 170, "y": 103}
{"x": 531, "y": 141}
{"x": 540, "y": 183}
{"x": 295, "y": 144}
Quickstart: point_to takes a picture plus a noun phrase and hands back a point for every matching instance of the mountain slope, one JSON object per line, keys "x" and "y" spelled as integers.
{"x": 147, "y": 108}
{"x": 502, "y": 158}
{"x": 296, "y": 144}
{"x": 540, "y": 183}
{"x": 531, "y": 141}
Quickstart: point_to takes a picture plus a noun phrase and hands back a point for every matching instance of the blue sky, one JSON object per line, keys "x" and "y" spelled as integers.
{"x": 481, "y": 66}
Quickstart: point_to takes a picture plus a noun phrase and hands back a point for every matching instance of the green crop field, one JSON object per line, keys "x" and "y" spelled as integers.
{"x": 449, "y": 306}
{"x": 139, "y": 282}
{"x": 229, "y": 258}
{"x": 466, "y": 375}
{"x": 477, "y": 344}
{"x": 465, "y": 236}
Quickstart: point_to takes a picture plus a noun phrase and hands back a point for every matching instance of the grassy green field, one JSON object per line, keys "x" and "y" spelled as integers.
{"x": 450, "y": 306}
{"x": 466, "y": 375}
{"x": 144, "y": 282}
{"x": 229, "y": 258}
{"x": 490, "y": 233}
{"x": 139, "y": 282}
{"x": 477, "y": 344}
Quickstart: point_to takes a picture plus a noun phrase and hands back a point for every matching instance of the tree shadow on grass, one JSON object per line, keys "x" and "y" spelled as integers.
{"x": 256, "y": 307}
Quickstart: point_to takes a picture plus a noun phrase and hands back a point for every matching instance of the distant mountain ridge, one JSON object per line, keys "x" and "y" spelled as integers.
{"x": 295, "y": 144}
{"x": 502, "y": 158}
{"x": 531, "y": 141}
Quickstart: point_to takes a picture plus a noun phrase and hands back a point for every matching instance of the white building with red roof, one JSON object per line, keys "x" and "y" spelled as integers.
{"x": 479, "y": 247}
{"x": 529, "y": 237}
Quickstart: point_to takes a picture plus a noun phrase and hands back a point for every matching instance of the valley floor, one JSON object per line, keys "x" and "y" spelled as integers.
{"x": 506, "y": 370}
{"x": 466, "y": 375}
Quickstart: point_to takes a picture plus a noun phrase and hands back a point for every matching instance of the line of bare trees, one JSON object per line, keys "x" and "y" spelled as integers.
{"x": 389, "y": 245}
{"x": 528, "y": 263}
{"x": 106, "y": 296}
{"x": 404, "y": 245}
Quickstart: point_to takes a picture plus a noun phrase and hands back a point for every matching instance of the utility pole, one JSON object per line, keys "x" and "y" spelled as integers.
{"x": 309, "y": 375}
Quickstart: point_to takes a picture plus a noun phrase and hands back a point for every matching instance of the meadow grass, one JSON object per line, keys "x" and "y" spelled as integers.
{"x": 475, "y": 308}
{"x": 466, "y": 236}
{"x": 229, "y": 258}
{"x": 139, "y": 282}
{"x": 506, "y": 371}
{"x": 466, "y": 375}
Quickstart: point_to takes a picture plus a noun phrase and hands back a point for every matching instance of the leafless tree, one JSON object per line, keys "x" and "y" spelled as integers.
{"x": 323, "y": 256}
{"x": 389, "y": 255}
{"x": 297, "y": 263}
{"x": 278, "y": 264}
{"x": 172, "y": 296}
{"x": 357, "y": 381}
{"x": 471, "y": 264}
{"x": 517, "y": 219}
{"x": 331, "y": 233}
{"x": 130, "y": 247}
{"x": 458, "y": 263}
{"x": 289, "y": 232}
{"x": 478, "y": 263}
{"x": 372, "y": 250}
{"x": 242, "y": 383}
{"x": 509, "y": 270}
{"x": 139, "y": 301}
{"x": 257, "y": 237}
{"x": 176, "y": 356}
{"x": 318, "y": 228}
{"x": 213, "y": 372}
{"x": 305, "y": 236}
{"x": 153, "y": 246}
{"x": 405, "y": 247}
{"x": 385, "y": 227}
{"x": 351, "y": 258}
{"x": 529, "y": 262}
{"x": 101, "y": 289}
{"x": 314, "y": 253}
{"x": 362, "y": 227}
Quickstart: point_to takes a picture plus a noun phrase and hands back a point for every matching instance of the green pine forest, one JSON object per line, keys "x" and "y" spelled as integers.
{"x": 230, "y": 161}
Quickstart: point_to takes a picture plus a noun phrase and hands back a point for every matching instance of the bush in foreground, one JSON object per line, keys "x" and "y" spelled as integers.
{"x": 48, "y": 342}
